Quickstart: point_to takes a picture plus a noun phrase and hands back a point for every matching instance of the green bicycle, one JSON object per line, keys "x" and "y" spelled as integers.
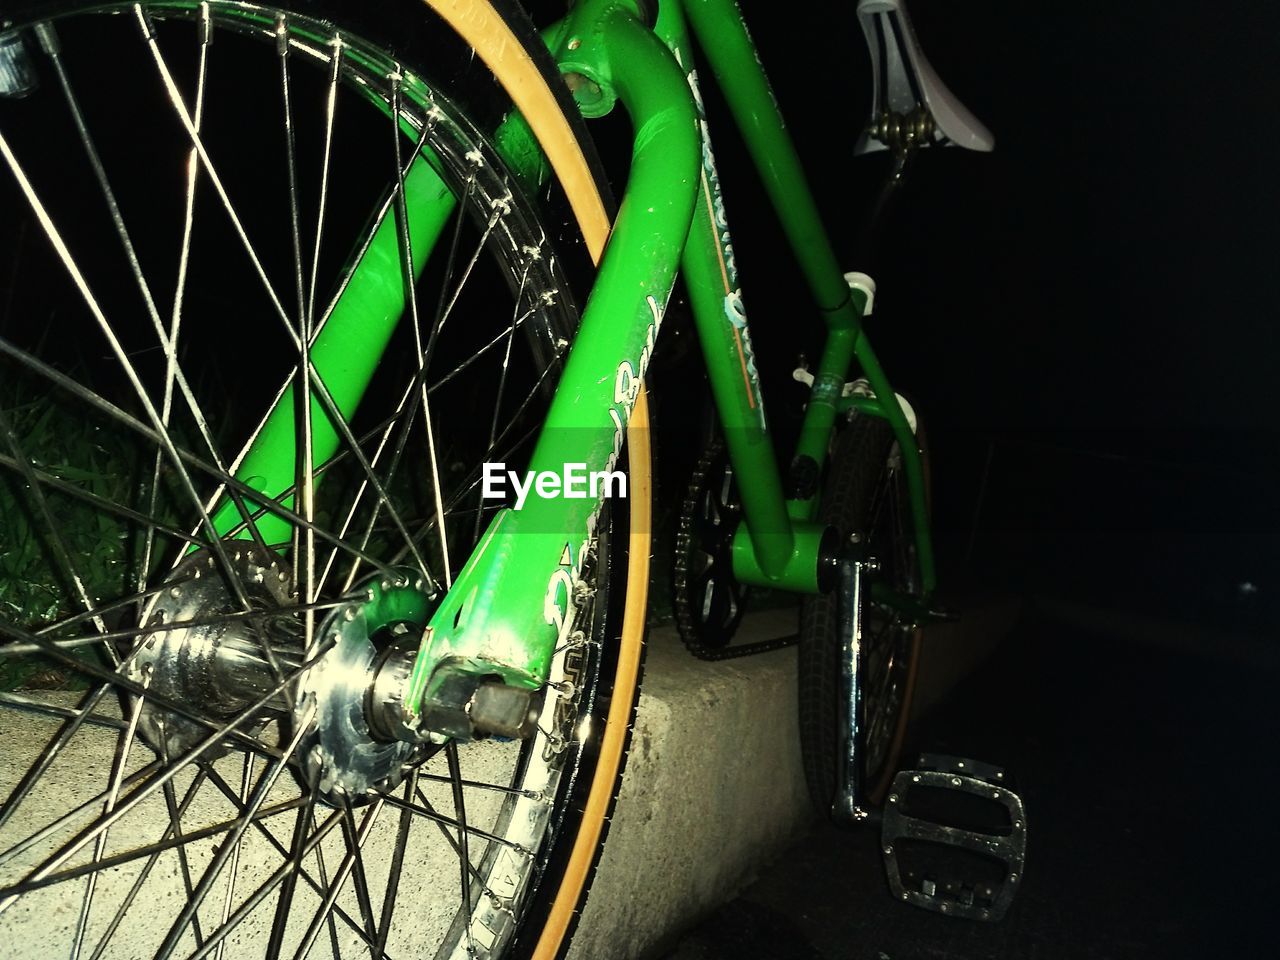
{"x": 290, "y": 293}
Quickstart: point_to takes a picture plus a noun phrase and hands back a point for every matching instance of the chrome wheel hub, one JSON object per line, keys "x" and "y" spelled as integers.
{"x": 218, "y": 661}
{"x": 246, "y": 668}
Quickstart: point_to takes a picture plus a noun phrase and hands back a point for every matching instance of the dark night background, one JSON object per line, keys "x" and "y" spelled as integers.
{"x": 1083, "y": 314}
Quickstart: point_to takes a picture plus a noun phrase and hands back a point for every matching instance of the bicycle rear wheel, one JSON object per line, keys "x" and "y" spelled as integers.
{"x": 865, "y": 495}
{"x": 169, "y": 268}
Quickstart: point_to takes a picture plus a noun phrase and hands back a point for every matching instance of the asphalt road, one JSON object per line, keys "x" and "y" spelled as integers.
{"x": 1150, "y": 782}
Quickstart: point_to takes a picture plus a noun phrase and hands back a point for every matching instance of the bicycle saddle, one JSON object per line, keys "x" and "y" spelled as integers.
{"x": 911, "y": 105}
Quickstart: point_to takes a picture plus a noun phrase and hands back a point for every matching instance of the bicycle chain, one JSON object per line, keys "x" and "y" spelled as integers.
{"x": 686, "y": 543}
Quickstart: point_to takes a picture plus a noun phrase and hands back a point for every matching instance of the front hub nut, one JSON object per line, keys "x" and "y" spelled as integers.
{"x": 465, "y": 704}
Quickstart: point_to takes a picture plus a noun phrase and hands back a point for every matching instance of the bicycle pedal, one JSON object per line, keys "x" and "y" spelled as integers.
{"x": 954, "y": 837}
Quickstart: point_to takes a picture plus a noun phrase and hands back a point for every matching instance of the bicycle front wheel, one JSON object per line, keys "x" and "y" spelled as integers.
{"x": 193, "y": 194}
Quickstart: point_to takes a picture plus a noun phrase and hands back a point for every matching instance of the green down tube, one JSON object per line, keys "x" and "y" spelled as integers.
{"x": 344, "y": 353}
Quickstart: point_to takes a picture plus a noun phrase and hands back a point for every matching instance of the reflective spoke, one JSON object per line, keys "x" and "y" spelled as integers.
{"x": 464, "y": 851}
{"x": 254, "y": 617}
{"x": 297, "y": 853}
{"x": 197, "y": 142}
{"x": 184, "y": 261}
{"x": 321, "y": 885}
{"x": 168, "y": 842}
{"x": 270, "y": 504}
{"x": 397, "y": 865}
{"x": 126, "y": 365}
{"x": 100, "y": 845}
{"x": 52, "y": 48}
{"x": 424, "y": 809}
{"x": 360, "y": 879}
{"x": 175, "y": 817}
{"x": 72, "y": 815}
{"x": 304, "y": 558}
{"x": 339, "y": 879}
{"x": 105, "y": 822}
{"x": 409, "y": 277}
{"x": 17, "y": 701}
{"x": 331, "y": 110}
{"x": 147, "y": 520}
{"x": 51, "y": 649}
{"x": 245, "y": 783}
{"x": 230, "y": 848}
{"x": 285, "y": 872}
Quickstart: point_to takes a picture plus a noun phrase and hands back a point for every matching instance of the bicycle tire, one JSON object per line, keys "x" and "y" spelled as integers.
{"x": 864, "y": 494}
{"x": 551, "y": 889}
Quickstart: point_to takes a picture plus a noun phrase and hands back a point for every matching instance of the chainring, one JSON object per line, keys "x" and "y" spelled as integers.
{"x": 709, "y": 601}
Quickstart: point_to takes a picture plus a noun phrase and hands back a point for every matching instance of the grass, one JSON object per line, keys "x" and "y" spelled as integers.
{"x": 59, "y": 439}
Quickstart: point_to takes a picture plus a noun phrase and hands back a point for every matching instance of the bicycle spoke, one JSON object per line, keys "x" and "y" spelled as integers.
{"x": 127, "y": 367}
{"x": 424, "y": 809}
{"x": 408, "y": 277}
{"x": 319, "y": 886}
{"x": 53, "y": 749}
{"x": 450, "y": 838}
{"x": 102, "y": 610}
{"x": 360, "y": 879}
{"x": 51, "y": 649}
{"x": 246, "y": 782}
{"x": 339, "y": 879}
{"x": 50, "y": 45}
{"x": 345, "y": 280}
{"x": 184, "y": 260}
{"x": 502, "y": 386}
{"x": 298, "y": 851}
{"x": 70, "y": 816}
{"x": 473, "y": 476}
{"x": 17, "y": 701}
{"x": 477, "y": 785}
{"x": 148, "y": 520}
{"x": 231, "y": 846}
{"x": 304, "y": 559}
{"x": 443, "y": 309}
{"x": 255, "y": 617}
{"x": 464, "y": 851}
{"x": 344, "y": 430}
{"x": 331, "y": 110}
{"x": 397, "y": 864}
{"x": 167, "y": 842}
{"x": 466, "y": 364}
{"x": 132, "y": 423}
{"x": 499, "y": 208}
{"x": 103, "y": 823}
{"x": 281, "y": 875}
{"x": 358, "y": 499}
{"x": 175, "y": 815}
{"x": 197, "y": 142}
{"x": 100, "y": 845}
{"x": 175, "y": 827}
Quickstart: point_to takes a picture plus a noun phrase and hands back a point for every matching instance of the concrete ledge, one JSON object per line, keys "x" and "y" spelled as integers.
{"x": 713, "y": 789}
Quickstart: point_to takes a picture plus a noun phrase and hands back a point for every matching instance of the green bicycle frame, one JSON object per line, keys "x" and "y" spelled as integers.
{"x": 497, "y": 615}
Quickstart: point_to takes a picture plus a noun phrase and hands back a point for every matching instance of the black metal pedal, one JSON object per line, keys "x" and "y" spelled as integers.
{"x": 954, "y": 838}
